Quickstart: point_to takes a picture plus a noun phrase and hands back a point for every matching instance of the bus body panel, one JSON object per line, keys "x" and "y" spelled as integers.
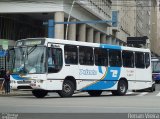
{"x": 93, "y": 77}
{"x": 21, "y": 81}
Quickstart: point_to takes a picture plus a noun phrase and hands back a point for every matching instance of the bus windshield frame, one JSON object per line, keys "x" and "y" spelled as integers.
{"x": 29, "y": 60}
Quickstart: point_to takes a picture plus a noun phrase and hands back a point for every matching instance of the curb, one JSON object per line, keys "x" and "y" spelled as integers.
{"x": 15, "y": 93}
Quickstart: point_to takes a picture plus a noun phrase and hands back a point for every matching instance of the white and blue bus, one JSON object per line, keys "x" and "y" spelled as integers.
{"x": 64, "y": 66}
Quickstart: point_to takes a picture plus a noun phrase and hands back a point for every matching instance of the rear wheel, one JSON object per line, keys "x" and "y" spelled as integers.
{"x": 39, "y": 93}
{"x": 151, "y": 89}
{"x": 67, "y": 89}
{"x": 95, "y": 93}
{"x": 122, "y": 88}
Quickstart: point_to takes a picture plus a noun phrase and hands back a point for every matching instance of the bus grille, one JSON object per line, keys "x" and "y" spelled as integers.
{"x": 23, "y": 82}
{"x": 24, "y": 87}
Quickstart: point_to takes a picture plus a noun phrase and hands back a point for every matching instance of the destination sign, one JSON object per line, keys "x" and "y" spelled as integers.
{"x": 30, "y": 42}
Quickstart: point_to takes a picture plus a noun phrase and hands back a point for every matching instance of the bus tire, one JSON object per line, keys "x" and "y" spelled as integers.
{"x": 39, "y": 93}
{"x": 122, "y": 88}
{"x": 95, "y": 92}
{"x": 67, "y": 89}
{"x": 153, "y": 88}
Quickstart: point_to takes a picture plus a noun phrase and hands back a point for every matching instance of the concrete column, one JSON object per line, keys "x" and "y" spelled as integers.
{"x": 82, "y": 33}
{"x": 90, "y": 35}
{"x": 97, "y": 37}
{"x": 72, "y": 31}
{"x": 120, "y": 43}
{"x": 59, "y": 28}
{"x": 103, "y": 38}
{"x": 117, "y": 42}
{"x": 113, "y": 41}
{"x": 109, "y": 40}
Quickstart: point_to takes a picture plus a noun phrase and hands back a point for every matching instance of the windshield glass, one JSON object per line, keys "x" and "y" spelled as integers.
{"x": 29, "y": 59}
{"x": 156, "y": 66}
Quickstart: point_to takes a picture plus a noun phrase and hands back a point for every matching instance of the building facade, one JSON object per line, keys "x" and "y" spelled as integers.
{"x": 24, "y": 19}
{"x": 30, "y": 15}
{"x": 155, "y": 27}
{"x": 126, "y": 18}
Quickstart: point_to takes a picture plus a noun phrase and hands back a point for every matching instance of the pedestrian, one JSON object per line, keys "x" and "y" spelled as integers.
{"x": 7, "y": 82}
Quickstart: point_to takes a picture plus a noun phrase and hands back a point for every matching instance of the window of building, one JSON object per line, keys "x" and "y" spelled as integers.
{"x": 86, "y": 55}
{"x": 101, "y": 57}
{"x": 139, "y": 60}
{"x": 71, "y": 54}
{"x": 115, "y": 58}
{"x": 147, "y": 60}
{"x": 128, "y": 59}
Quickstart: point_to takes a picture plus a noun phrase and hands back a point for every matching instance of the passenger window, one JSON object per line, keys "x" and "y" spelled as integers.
{"x": 139, "y": 60}
{"x": 70, "y": 52}
{"x": 128, "y": 59}
{"x": 54, "y": 60}
{"x": 115, "y": 58}
{"x": 147, "y": 60}
{"x": 101, "y": 57}
{"x": 86, "y": 55}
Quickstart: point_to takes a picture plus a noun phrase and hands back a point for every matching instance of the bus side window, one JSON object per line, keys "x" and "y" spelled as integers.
{"x": 128, "y": 59}
{"x": 147, "y": 60}
{"x": 54, "y": 60}
{"x": 70, "y": 52}
{"x": 86, "y": 55}
{"x": 115, "y": 58}
{"x": 101, "y": 57}
{"x": 139, "y": 60}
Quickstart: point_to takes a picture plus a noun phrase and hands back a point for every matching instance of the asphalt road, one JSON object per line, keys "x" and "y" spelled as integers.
{"x": 133, "y": 102}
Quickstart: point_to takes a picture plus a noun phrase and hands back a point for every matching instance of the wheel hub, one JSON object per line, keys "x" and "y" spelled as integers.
{"x": 67, "y": 88}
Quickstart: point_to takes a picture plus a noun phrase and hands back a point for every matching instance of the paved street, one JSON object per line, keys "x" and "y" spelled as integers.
{"x": 26, "y": 106}
{"x": 82, "y": 103}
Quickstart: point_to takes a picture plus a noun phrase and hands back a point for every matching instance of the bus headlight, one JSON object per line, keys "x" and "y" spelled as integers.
{"x": 39, "y": 81}
{"x": 13, "y": 81}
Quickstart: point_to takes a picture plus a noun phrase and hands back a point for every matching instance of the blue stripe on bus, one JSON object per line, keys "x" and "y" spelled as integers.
{"x": 110, "y": 46}
{"x": 17, "y": 77}
{"x": 100, "y": 69}
{"x": 109, "y": 80}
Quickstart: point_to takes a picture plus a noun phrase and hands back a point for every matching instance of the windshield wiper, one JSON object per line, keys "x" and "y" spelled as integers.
{"x": 32, "y": 49}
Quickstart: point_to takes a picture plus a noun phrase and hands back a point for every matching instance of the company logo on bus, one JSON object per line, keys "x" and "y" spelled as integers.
{"x": 87, "y": 72}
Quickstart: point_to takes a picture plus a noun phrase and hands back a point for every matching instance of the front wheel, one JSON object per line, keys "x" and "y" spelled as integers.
{"x": 39, "y": 93}
{"x": 67, "y": 89}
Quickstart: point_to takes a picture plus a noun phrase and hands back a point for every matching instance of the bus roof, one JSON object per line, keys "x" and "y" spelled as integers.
{"x": 80, "y": 43}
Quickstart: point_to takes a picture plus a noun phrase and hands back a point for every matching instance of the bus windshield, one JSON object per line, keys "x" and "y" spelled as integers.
{"x": 156, "y": 66}
{"x": 29, "y": 59}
